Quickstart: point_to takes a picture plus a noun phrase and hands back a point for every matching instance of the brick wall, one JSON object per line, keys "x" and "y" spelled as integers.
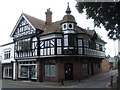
{"x": 105, "y": 65}
{"x": 77, "y": 68}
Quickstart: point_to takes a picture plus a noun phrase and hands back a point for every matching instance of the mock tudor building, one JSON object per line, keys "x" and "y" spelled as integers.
{"x": 8, "y": 61}
{"x": 51, "y": 51}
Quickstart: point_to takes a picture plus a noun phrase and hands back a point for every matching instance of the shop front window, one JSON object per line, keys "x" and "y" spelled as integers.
{"x": 28, "y": 69}
{"x": 10, "y": 72}
{"x": 33, "y": 71}
{"x": 24, "y": 71}
{"x": 6, "y": 72}
{"x": 50, "y": 68}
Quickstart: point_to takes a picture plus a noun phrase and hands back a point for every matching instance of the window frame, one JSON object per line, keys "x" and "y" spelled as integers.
{"x": 48, "y": 64}
{"x": 7, "y": 54}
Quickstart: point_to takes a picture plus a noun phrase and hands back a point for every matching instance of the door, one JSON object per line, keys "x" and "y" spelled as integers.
{"x": 68, "y": 71}
{"x": 92, "y": 68}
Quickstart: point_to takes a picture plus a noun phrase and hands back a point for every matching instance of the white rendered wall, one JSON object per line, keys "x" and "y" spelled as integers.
{"x": 119, "y": 47}
{"x": 6, "y": 48}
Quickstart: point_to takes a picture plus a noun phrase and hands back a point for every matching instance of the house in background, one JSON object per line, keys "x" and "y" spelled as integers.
{"x": 119, "y": 47}
{"x": 105, "y": 65}
{"x": 0, "y": 67}
{"x": 0, "y": 59}
{"x": 113, "y": 63}
{"x": 51, "y": 51}
{"x": 8, "y": 61}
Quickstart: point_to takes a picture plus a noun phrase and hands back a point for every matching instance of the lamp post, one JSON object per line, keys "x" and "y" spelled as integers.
{"x": 119, "y": 67}
{"x": 118, "y": 78}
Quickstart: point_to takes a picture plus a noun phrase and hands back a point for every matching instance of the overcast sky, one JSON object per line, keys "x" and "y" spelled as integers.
{"x": 10, "y": 11}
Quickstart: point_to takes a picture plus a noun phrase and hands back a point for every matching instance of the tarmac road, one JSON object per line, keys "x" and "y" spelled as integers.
{"x": 97, "y": 81}
{"x": 11, "y": 85}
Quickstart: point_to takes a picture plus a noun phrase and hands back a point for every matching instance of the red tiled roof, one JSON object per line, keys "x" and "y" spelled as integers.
{"x": 54, "y": 26}
{"x": 37, "y": 23}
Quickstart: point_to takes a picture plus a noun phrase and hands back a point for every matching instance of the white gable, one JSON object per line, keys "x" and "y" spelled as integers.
{"x": 19, "y": 23}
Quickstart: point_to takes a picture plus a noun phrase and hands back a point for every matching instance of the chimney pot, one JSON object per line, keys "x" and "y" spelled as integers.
{"x": 48, "y": 17}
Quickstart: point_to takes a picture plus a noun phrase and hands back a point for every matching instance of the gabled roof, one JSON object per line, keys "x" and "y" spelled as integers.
{"x": 7, "y": 44}
{"x": 34, "y": 22}
{"x": 91, "y": 32}
{"x": 80, "y": 30}
{"x": 51, "y": 28}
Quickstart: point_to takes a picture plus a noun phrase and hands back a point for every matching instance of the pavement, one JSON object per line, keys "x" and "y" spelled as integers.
{"x": 90, "y": 82}
{"x": 101, "y": 80}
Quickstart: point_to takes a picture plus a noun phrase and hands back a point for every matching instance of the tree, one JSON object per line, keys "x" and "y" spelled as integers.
{"x": 105, "y": 14}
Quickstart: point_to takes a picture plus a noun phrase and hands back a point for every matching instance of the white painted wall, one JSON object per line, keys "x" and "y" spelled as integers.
{"x": 6, "y": 48}
{"x": 119, "y": 47}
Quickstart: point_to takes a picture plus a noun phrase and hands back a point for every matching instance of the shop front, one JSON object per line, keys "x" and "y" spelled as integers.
{"x": 27, "y": 70}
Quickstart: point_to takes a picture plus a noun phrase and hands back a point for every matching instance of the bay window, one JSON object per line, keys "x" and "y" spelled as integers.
{"x": 70, "y": 40}
{"x": 80, "y": 48}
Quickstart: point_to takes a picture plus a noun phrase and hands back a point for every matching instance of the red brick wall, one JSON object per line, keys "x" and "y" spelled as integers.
{"x": 105, "y": 65}
{"x": 77, "y": 68}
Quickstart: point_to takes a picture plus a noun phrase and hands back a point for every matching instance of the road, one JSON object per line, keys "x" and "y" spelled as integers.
{"x": 97, "y": 81}
{"x": 18, "y": 85}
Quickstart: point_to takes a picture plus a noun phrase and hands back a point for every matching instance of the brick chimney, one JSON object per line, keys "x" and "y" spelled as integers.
{"x": 48, "y": 17}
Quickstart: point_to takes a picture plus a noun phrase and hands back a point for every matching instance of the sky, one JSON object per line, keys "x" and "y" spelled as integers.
{"x": 10, "y": 11}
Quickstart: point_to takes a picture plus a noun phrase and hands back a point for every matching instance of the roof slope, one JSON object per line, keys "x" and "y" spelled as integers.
{"x": 37, "y": 23}
{"x": 53, "y": 27}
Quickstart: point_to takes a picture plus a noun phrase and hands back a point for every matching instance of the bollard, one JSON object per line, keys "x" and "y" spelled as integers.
{"x": 118, "y": 83}
{"x": 111, "y": 81}
{"x": 62, "y": 81}
{"x": 79, "y": 79}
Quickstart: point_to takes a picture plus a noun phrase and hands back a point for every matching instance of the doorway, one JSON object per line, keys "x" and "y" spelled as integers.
{"x": 92, "y": 68}
{"x": 68, "y": 71}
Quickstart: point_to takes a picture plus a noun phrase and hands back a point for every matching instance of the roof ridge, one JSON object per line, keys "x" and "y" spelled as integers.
{"x": 32, "y": 16}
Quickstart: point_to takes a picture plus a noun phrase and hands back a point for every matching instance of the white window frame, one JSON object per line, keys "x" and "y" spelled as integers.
{"x": 8, "y": 76}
